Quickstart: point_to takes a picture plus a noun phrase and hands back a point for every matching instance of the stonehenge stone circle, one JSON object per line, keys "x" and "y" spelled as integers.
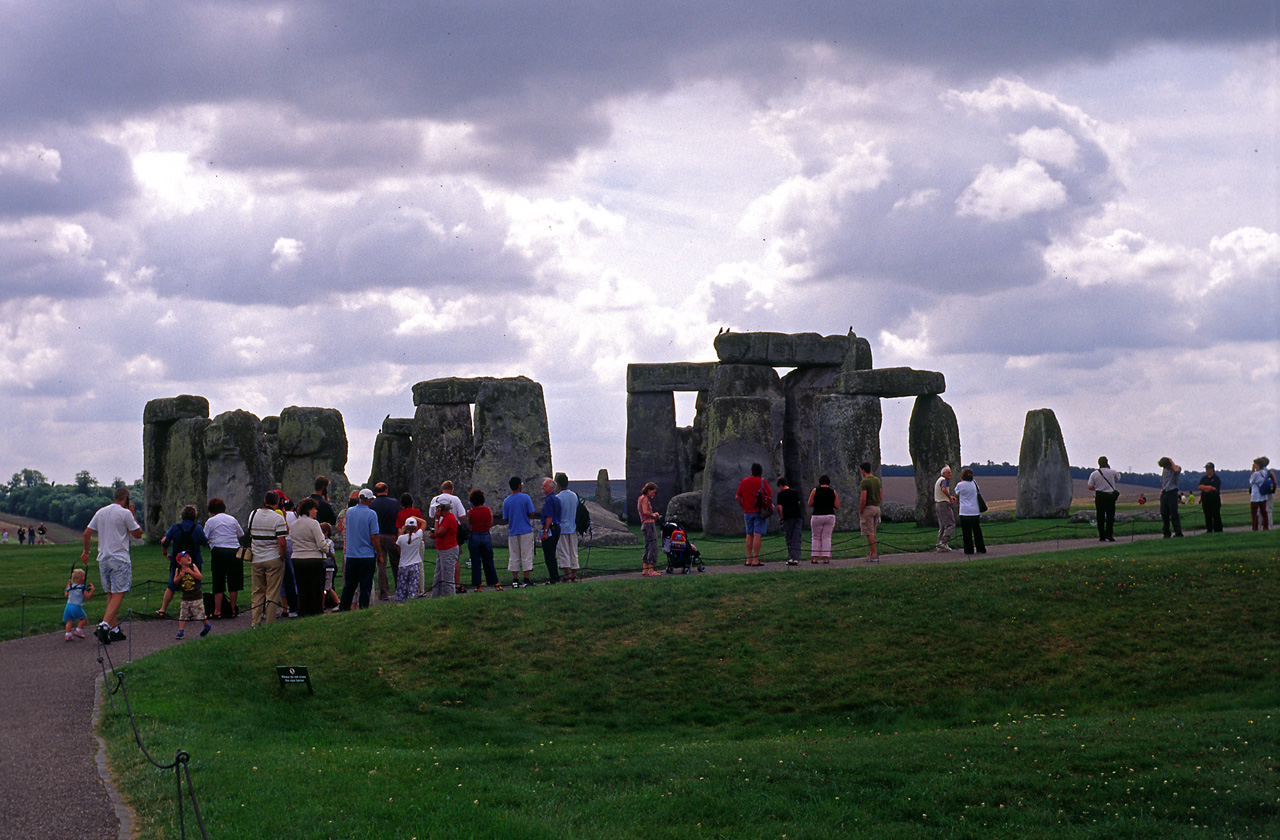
{"x": 240, "y": 471}
{"x": 174, "y": 469}
{"x": 1044, "y": 474}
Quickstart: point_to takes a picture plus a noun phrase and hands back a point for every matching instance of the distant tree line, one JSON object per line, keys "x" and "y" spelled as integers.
{"x": 30, "y": 494}
{"x": 1231, "y": 479}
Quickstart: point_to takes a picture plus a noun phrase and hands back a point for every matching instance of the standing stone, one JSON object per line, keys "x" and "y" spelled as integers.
{"x": 393, "y": 456}
{"x": 512, "y": 438}
{"x": 443, "y": 447}
{"x": 604, "y": 493}
{"x": 801, "y": 436}
{"x": 847, "y": 430}
{"x": 934, "y": 443}
{"x": 653, "y": 449}
{"x": 312, "y": 442}
{"x": 1044, "y": 475}
{"x": 174, "y": 470}
{"x": 743, "y": 431}
{"x": 240, "y": 471}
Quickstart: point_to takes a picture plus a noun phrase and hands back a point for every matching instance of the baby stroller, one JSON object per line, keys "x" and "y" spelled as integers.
{"x": 681, "y": 554}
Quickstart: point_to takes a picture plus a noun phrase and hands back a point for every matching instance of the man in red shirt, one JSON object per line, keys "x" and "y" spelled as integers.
{"x": 756, "y": 498}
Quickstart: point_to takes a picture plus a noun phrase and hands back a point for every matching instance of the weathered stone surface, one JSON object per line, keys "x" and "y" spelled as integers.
{"x": 847, "y": 433}
{"x": 451, "y": 390}
{"x": 730, "y": 380}
{"x": 997, "y": 516}
{"x": 398, "y": 426}
{"x": 859, "y": 355}
{"x": 174, "y": 471}
{"x": 896, "y": 512}
{"x": 169, "y": 409}
{"x": 606, "y": 529}
{"x": 891, "y": 382}
{"x": 511, "y": 438}
{"x": 312, "y": 441}
{"x": 743, "y": 430}
{"x": 239, "y": 461}
{"x": 443, "y": 447}
{"x": 782, "y": 349}
{"x": 802, "y": 388}
{"x": 934, "y": 443}
{"x": 1044, "y": 475}
{"x": 669, "y": 376}
{"x": 604, "y": 492}
{"x": 653, "y": 448}
{"x": 686, "y": 509}
{"x": 393, "y": 463}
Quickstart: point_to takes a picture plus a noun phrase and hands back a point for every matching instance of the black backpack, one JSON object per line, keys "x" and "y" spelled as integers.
{"x": 583, "y": 518}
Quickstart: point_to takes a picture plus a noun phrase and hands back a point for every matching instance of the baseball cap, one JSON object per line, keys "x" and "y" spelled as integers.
{"x": 366, "y": 493}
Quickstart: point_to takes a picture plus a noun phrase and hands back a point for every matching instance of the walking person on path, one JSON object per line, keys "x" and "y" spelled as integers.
{"x": 113, "y": 525}
{"x": 77, "y": 592}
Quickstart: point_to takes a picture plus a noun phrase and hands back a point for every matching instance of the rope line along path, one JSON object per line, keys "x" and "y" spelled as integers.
{"x": 54, "y": 780}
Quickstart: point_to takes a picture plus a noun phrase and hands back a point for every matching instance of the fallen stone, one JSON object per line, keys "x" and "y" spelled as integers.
{"x": 686, "y": 508}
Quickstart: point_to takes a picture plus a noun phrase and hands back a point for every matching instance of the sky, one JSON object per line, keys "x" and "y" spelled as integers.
{"x": 1069, "y": 205}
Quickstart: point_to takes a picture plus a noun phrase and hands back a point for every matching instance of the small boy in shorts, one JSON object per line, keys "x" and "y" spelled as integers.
{"x": 77, "y": 593}
{"x": 187, "y": 577}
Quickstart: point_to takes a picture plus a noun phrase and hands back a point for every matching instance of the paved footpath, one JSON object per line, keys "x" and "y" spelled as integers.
{"x": 54, "y": 783}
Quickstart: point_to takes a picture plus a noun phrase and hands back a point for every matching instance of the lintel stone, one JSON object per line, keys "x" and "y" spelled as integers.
{"x": 782, "y": 349}
{"x": 891, "y": 382}
{"x": 670, "y": 376}
{"x": 451, "y": 390}
{"x": 169, "y": 409}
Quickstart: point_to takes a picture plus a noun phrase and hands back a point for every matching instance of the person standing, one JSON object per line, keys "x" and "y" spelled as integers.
{"x": 73, "y": 614}
{"x": 970, "y": 515}
{"x": 480, "y": 542}
{"x": 1258, "y": 497}
{"x": 1270, "y": 487}
{"x": 824, "y": 502}
{"x": 792, "y": 517}
{"x": 1211, "y": 499}
{"x": 869, "y": 508}
{"x": 363, "y": 553}
{"x": 550, "y": 534}
{"x": 411, "y": 542}
{"x": 269, "y": 535}
{"x": 188, "y": 579}
{"x": 446, "y": 534}
{"x": 517, "y": 509}
{"x": 460, "y": 515}
{"x": 567, "y": 546}
{"x": 386, "y": 509}
{"x": 755, "y": 497}
{"x": 324, "y": 510}
{"x": 113, "y": 525}
{"x": 944, "y": 504}
{"x": 224, "y": 534}
{"x": 309, "y": 551}
{"x": 1102, "y": 482}
{"x": 649, "y": 528}
{"x": 184, "y": 535}
{"x": 1170, "y": 497}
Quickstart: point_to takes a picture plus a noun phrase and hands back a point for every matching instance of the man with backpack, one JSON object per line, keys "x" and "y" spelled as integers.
{"x": 756, "y": 498}
{"x": 567, "y": 547}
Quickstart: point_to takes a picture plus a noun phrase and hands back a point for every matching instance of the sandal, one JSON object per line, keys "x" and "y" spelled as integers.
{"x": 161, "y": 614}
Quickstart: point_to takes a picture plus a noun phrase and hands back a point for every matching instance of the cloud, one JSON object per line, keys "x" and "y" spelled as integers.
{"x": 1000, "y": 195}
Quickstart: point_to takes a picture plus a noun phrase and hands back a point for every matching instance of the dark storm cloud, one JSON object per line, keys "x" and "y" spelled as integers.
{"x": 530, "y": 75}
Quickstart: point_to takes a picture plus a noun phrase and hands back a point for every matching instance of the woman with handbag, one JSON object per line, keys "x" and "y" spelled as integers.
{"x": 224, "y": 533}
{"x": 970, "y": 513}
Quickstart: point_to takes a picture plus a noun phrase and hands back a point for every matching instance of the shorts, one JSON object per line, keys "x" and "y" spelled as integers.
{"x": 74, "y": 612}
{"x": 756, "y": 523}
{"x": 116, "y": 574}
{"x": 869, "y": 520}
{"x": 192, "y": 610}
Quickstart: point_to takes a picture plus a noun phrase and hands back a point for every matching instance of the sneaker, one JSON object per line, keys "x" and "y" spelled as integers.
{"x": 515, "y": 584}
{"x": 528, "y": 582}
{"x": 78, "y": 633}
{"x": 205, "y": 631}
{"x": 69, "y": 637}
{"x": 793, "y": 562}
{"x": 116, "y": 634}
{"x": 181, "y": 633}
{"x": 102, "y": 634}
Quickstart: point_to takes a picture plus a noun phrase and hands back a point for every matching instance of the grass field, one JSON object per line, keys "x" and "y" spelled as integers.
{"x": 1130, "y": 690}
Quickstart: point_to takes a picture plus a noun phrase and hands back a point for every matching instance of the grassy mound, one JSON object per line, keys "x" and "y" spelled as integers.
{"x": 1117, "y": 691}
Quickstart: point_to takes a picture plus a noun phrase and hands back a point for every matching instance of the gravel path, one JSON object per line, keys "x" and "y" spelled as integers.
{"x": 55, "y": 784}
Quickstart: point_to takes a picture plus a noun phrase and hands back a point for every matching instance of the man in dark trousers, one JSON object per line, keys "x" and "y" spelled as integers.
{"x": 386, "y": 508}
{"x": 1211, "y": 499}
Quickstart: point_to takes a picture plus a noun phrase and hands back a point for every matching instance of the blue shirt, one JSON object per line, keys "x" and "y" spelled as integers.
{"x": 551, "y": 509}
{"x": 568, "y": 511}
{"x": 516, "y": 509}
{"x": 362, "y": 530}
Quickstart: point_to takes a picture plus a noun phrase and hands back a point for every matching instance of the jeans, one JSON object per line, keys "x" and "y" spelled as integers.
{"x": 1169, "y": 512}
{"x": 791, "y": 530}
{"x": 481, "y": 548}
{"x": 357, "y": 572}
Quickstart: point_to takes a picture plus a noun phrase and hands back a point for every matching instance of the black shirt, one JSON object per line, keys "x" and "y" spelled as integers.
{"x": 824, "y": 501}
{"x": 1213, "y": 481}
{"x": 789, "y": 501}
{"x": 386, "y": 508}
{"x": 324, "y": 510}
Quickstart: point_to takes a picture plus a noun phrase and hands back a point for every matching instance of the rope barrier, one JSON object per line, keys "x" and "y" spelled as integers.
{"x": 182, "y": 759}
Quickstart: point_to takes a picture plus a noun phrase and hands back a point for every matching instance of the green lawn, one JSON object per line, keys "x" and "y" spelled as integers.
{"x": 1129, "y": 690}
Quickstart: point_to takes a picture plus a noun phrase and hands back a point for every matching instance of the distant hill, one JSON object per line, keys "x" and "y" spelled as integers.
{"x": 1231, "y": 479}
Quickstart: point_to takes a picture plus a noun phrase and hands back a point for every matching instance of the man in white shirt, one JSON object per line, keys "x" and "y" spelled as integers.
{"x": 1102, "y": 482}
{"x": 944, "y": 503}
{"x": 114, "y": 525}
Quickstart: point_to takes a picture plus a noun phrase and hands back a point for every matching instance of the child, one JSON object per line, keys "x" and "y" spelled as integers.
{"x": 77, "y": 593}
{"x": 187, "y": 578}
{"x": 330, "y": 566}
{"x": 410, "y": 542}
